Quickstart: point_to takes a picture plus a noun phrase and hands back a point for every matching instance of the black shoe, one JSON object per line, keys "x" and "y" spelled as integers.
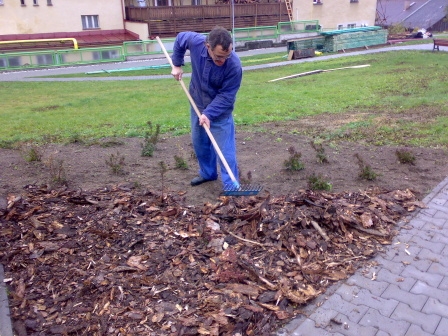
{"x": 198, "y": 180}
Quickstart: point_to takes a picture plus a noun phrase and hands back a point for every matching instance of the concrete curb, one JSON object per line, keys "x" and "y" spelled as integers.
{"x": 5, "y": 320}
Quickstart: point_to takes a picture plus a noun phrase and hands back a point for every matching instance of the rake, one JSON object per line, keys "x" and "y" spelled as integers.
{"x": 234, "y": 188}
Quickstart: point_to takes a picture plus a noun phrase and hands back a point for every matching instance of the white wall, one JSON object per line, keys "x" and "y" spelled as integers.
{"x": 332, "y": 13}
{"x": 61, "y": 16}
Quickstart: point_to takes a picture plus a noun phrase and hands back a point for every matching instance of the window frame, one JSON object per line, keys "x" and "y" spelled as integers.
{"x": 158, "y": 3}
{"x": 45, "y": 59}
{"x": 90, "y": 22}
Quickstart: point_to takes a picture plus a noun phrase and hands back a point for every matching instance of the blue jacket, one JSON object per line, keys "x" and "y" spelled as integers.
{"x": 213, "y": 88}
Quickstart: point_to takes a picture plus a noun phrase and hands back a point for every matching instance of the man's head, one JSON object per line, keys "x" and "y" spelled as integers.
{"x": 219, "y": 45}
{"x": 219, "y": 36}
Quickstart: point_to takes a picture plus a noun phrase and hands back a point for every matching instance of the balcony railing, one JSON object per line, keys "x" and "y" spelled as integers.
{"x": 167, "y": 21}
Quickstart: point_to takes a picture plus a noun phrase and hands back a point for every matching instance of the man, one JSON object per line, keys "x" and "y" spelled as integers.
{"x": 215, "y": 80}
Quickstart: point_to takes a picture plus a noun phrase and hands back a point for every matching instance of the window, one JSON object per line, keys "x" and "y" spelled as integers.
{"x": 1, "y": 2}
{"x": 35, "y": 3}
{"x": 351, "y": 25}
{"x": 317, "y": 2}
{"x": 90, "y": 21}
{"x": 49, "y": 3}
{"x": 105, "y": 54}
{"x": 9, "y": 62}
{"x": 14, "y": 61}
{"x": 162, "y": 3}
{"x": 45, "y": 59}
{"x": 22, "y": 2}
{"x": 353, "y": 1}
{"x": 312, "y": 27}
{"x": 196, "y": 2}
{"x": 340, "y": 27}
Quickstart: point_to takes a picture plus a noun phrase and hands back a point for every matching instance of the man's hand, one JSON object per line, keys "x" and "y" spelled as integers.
{"x": 204, "y": 120}
{"x": 177, "y": 72}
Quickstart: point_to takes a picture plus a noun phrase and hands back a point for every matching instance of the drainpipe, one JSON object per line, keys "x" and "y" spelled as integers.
{"x": 123, "y": 14}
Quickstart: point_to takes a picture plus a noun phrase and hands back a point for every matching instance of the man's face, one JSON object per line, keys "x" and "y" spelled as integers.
{"x": 218, "y": 55}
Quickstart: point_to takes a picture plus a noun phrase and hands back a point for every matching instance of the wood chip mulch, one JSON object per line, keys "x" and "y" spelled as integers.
{"x": 119, "y": 261}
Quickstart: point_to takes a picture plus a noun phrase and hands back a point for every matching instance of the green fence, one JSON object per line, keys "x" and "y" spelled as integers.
{"x": 330, "y": 41}
{"x": 298, "y": 27}
{"x": 44, "y": 59}
{"x": 39, "y": 59}
{"x": 150, "y": 47}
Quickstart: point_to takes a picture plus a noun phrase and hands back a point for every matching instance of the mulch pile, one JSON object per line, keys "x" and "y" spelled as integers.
{"x": 118, "y": 261}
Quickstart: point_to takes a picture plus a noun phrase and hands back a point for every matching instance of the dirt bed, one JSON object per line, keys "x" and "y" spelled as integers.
{"x": 261, "y": 156}
{"x": 144, "y": 253}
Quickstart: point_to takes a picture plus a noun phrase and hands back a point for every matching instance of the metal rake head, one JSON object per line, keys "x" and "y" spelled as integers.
{"x": 241, "y": 190}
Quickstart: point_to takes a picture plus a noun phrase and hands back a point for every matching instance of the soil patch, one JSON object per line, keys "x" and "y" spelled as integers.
{"x": 143, "y": 252}
{"x": 261, "y": 161}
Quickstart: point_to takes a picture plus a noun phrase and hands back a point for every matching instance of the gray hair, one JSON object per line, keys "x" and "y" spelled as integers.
{"x": 219, "y": 36}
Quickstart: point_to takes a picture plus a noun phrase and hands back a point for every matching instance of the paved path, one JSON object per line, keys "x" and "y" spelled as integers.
{"x": 5, "y": 321}
{"x": 405, "y": 295}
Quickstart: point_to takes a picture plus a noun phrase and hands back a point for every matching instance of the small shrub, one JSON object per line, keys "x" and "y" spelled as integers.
{"x": 319, "y": 183}
{"x": 57, "y": 170}
{"x": 396, "y": 29}
{"x": 6, "y": 144}
{"x": 404, "y": 156}
{"x": 293, "y": 163}
{"x": 320, "y": 152}
{"x": 366, "y": 172}
{"x": 75, "y": 138}
{"x": 180, "y": 162}
{"x": 151, "y": 139}
{"x": 116, "y": 164}
{"x": 32, "y": 153}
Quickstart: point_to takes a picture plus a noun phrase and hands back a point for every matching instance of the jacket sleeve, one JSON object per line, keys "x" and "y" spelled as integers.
{"x": 181, "y": 45}
{"x": 224, "y": 101}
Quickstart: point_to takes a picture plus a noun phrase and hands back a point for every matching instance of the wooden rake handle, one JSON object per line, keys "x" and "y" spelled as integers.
{"x": 207, "y": 129}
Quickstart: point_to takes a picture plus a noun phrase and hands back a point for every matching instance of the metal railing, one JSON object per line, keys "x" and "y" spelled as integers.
{"x": 50, "y": 58}
{"x": 70, "y": 57}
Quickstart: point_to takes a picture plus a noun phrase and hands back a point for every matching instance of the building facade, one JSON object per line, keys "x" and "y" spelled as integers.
{"x": 336, "y": 14}
{"x": 53, "y": 16}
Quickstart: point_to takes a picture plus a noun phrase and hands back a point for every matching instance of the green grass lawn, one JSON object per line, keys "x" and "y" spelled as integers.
{"x": 395, "y": 83}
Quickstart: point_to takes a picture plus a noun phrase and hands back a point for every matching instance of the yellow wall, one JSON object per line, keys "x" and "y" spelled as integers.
{"x": 62, "y": 16}
{"x": 139, "y": 28}
{"x": 336, "y": 12}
